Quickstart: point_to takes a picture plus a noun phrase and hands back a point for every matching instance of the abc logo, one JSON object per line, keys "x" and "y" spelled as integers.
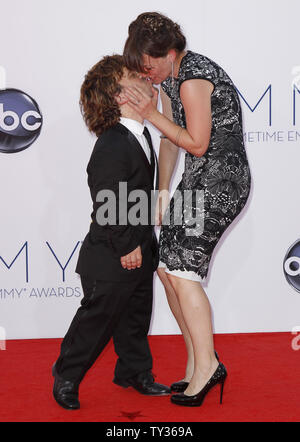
{"x": 20, "y": 120}
{"x": 291, "y": 266}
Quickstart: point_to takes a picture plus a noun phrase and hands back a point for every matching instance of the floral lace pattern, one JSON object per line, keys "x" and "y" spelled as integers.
{"x": 222, "y": 173}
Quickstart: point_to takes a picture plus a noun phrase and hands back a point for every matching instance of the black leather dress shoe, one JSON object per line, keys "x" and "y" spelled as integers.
{"x": 144, "y": 384}
{"x": 65, "y": 392}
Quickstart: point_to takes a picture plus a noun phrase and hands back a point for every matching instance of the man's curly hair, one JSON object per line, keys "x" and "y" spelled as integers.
{"x": 97, "y": 95}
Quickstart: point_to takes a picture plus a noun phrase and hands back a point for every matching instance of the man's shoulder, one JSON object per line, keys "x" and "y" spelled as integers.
{"x": 113, "y": 142}
{"x": 116, "y": 132}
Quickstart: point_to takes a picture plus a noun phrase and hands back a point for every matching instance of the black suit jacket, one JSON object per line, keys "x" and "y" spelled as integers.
{"x": 118, "y": 157}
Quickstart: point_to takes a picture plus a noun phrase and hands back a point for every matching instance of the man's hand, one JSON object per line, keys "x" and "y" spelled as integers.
{"x": 133, "y": 260}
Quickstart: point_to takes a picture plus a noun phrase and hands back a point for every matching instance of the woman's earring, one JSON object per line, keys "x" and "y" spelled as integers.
{"x": 172, "y": 75}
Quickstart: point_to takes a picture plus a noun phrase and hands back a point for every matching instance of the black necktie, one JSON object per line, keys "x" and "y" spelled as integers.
{"x": 147, "y": 135}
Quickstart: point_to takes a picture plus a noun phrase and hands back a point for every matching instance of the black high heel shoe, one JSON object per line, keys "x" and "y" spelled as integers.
{"x": 181, "y": 386}
{"x": 196, "y": 400}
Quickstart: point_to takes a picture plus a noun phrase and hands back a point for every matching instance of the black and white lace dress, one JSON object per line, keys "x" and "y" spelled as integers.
{"x": 217, "y": 184}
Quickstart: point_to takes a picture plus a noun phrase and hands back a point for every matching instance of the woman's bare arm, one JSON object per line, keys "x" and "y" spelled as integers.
{"x": 195, "y": 95}
{"x": 168, "y": 152}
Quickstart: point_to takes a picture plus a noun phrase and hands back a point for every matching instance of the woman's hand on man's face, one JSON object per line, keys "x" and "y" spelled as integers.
{"x": 140, "y": 101}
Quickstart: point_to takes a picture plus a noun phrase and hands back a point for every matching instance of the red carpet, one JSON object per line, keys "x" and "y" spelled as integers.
{"x": 262, "y": 384}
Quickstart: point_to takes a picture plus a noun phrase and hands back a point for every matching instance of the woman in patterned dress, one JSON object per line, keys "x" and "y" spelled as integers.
{"x": 201, "y": 113}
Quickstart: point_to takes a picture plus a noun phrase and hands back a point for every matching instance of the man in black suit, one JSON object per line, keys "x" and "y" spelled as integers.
{"x": 119, "y": 254}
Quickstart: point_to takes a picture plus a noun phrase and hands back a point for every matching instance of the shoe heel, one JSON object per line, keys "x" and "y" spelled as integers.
{"x": 221, "y": 390}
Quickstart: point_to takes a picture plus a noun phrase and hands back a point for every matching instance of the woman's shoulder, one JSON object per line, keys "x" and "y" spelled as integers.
{"x": 195, "y": 65}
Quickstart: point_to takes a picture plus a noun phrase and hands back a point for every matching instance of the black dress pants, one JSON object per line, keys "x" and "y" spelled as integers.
{"x": 118, "y": 310}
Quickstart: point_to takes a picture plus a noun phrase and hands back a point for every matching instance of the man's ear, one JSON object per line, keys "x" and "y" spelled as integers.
{"x": 121, "y": 99}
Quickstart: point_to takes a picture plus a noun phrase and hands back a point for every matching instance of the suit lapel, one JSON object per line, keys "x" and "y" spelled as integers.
{"x": 138, "y": 148}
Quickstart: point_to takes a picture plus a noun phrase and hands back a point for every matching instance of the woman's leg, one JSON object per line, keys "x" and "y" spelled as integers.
{"x": 176, "y": 310}
{"x": 195, "y": 308}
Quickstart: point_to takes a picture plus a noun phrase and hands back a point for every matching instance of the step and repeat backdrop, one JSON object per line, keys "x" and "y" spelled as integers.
{"x": 46, "y": 49}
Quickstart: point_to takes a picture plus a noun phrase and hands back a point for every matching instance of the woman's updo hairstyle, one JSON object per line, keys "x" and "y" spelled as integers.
{"x": 153, "y": 34}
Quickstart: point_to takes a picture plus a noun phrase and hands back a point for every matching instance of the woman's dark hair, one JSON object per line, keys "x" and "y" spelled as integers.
{"x": 97, "y": 95}
{"x": 153, "y": 34}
